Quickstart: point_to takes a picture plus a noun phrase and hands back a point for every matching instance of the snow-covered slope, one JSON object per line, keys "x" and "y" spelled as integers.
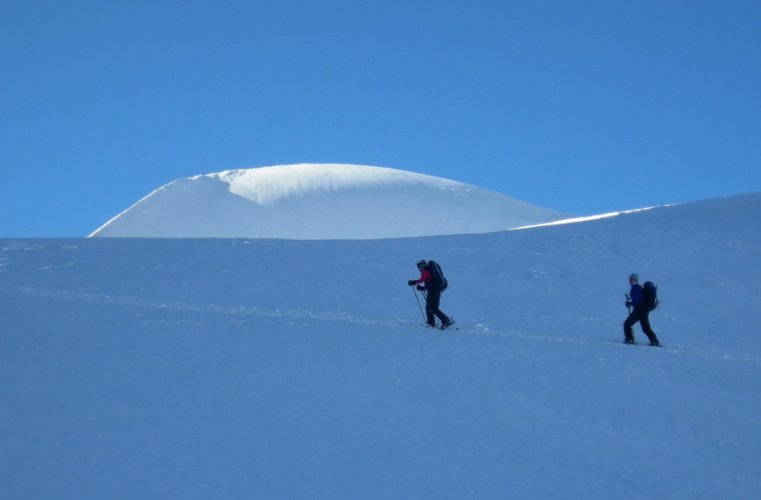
{"x": 324, "y": 201}
{"x": 217, "y": 368}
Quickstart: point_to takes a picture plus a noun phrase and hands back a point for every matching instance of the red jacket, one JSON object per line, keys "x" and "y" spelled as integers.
{"x": 425, "y": 277}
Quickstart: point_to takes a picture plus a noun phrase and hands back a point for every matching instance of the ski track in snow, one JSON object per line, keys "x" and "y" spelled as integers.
{"x": 464, "y": 328}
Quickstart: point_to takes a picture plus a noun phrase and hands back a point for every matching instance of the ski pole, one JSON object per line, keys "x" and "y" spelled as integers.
{"x": 418, "y": 303}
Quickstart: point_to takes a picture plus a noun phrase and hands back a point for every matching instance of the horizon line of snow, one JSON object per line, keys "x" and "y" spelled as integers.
{"x": 587, "y": 218}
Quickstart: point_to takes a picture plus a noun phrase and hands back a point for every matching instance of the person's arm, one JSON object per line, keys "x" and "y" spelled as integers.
{"x": 424, "y": 277}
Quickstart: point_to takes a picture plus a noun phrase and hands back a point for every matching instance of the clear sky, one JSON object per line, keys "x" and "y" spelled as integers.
{"x": 582, "y": 106}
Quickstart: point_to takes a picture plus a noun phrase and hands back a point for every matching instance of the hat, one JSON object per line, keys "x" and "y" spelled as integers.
{"x": 422, "y": 263}
{"x": 634, "y": 276}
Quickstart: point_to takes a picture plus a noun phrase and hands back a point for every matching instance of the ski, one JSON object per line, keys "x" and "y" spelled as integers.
{"x": 634, "y": 343}
{"x": 445, "y": 326}
{"x": 441, "y": 327}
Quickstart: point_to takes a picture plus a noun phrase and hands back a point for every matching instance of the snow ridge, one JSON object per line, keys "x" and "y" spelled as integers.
{"x": 320, "y": 201}
{"x": 268, "y": 185}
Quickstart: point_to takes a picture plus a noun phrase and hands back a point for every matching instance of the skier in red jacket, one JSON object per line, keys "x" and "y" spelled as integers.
{"x": 433, "y": 297}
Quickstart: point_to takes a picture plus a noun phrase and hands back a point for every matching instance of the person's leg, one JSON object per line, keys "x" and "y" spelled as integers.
{"x": 442, "y": 317}
{"x": 431, "y": 305}
{"x": 645, "y": 324}
{"x": 631, "y": 320}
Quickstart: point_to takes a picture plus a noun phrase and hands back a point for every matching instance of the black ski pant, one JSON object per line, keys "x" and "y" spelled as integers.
{"x": 643, "y": 317}
{"x": 432, "y": 300}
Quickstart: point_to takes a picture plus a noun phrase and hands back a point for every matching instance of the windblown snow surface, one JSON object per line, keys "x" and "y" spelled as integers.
{"x": 321, "y": 201}
{"x": 234, "y": 368}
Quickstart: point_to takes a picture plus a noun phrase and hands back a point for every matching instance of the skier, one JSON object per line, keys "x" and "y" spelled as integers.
{"x": 433, "y": 296}
{"x": 640, "y": 312}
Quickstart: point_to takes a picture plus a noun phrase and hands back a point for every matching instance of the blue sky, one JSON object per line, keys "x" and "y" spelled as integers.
{"x": 581, "y": 106}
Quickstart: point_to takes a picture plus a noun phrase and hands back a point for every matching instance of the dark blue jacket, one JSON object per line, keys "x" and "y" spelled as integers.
{"x": 636, "y": 294}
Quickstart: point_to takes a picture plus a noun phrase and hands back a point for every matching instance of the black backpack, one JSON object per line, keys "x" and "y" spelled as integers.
{"x": 437, "y": 276}
{"x": 649, "y": 295}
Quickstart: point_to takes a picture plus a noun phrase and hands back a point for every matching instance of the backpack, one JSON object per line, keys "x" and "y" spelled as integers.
{"x": 649, "y": 295}
{"x": 437, "y": 276}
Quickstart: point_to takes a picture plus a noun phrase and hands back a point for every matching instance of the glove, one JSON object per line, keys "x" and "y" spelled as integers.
{"x": 421, "y": 288}
{"x": 628, "y": 303}
{"x": 411, "y": 282}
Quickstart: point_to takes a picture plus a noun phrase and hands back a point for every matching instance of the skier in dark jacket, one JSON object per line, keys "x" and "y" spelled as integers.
{"x": 433, "y": 297}
{"x": 638, "y": 312}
